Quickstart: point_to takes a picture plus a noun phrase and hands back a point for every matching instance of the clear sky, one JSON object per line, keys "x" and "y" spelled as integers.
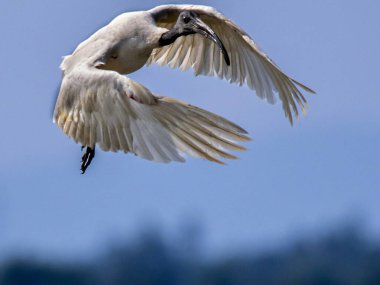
{"x": 322, "y": 171}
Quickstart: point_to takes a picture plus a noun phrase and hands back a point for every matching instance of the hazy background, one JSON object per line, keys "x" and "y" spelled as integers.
{"x": 295, "y": 181}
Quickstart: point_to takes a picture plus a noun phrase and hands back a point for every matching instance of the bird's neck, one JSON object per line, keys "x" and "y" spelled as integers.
{"x": 170, "y": 36}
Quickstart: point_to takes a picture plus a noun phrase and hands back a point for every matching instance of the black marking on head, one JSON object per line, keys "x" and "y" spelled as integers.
{"x": 187, "y": 16}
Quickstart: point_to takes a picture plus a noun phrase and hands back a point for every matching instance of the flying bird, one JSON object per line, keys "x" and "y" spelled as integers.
{"x": 98, "y": 105}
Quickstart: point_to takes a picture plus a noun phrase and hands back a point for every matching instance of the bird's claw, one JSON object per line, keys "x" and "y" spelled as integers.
{"x": 87, "y": 158}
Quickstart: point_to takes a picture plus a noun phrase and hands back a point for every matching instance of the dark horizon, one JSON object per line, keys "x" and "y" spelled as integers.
{"x": 344, "y": 256}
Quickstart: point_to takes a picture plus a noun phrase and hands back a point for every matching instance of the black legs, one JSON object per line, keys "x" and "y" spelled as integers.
{"x": 87, "y": 158}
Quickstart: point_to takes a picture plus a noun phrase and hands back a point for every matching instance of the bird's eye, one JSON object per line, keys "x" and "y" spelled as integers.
{"x": 186, "y": 19}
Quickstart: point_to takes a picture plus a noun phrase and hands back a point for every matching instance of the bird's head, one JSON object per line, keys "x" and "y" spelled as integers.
{"x": 189, "y": 23}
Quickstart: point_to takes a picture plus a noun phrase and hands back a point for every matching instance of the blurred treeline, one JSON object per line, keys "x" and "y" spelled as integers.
{"x": 344, "y": 257}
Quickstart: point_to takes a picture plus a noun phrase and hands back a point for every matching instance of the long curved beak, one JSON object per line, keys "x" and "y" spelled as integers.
{"x": 201, "y": 28}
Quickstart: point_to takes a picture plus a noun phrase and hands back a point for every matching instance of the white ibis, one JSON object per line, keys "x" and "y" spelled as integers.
{"x": 98, "y": 105}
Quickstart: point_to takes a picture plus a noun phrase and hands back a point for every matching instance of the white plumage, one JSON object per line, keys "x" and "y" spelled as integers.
{"x": 97, "y": 105}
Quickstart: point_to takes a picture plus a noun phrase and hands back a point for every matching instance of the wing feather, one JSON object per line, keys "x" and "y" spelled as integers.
{"x": 249, "y": 65}
{"x": 101, "y": 107}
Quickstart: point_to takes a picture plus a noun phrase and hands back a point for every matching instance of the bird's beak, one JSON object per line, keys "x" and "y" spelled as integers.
{"x": 201, "y": 28}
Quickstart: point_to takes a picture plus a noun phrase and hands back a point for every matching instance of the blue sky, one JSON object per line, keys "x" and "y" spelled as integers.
{"x": 322, "y": 171}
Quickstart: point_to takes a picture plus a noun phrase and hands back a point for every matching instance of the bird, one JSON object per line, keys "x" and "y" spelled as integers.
{"x": 98, "y": 105}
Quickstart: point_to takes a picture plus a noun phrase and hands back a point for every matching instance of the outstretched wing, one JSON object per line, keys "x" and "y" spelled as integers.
{"x": 249, "y": 65}
{"x": 105, "y": 108}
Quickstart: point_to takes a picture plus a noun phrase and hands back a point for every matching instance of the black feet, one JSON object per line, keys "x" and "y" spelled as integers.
{"x": 87, "y": 158}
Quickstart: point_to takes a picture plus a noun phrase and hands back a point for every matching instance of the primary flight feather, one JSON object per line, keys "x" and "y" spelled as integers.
{"x": 98, "y": 105}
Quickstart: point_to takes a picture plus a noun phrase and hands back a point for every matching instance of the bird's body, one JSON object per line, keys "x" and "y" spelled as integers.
{"x": 98, "y": 105}
{"x": 118, "y": 47}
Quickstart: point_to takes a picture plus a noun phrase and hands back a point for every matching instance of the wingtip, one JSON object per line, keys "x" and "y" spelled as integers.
{"x": 304, "y": 87}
